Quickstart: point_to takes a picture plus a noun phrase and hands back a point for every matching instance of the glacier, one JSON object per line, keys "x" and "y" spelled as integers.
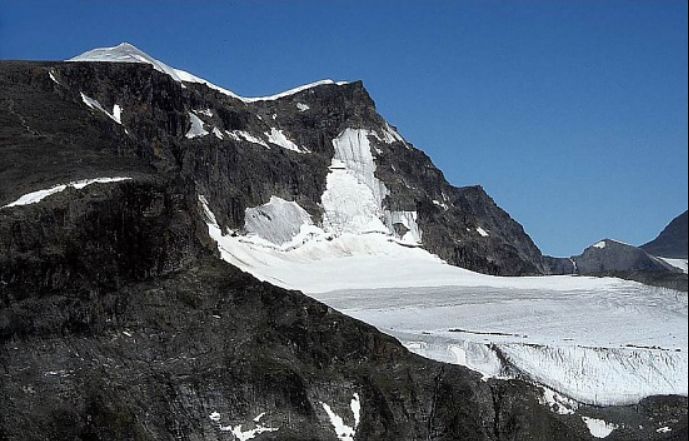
{"x": 599, "y": 341}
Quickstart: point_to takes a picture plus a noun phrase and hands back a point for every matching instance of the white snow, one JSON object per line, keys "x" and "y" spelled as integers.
{"x": 246, "y": 435}
{"x": 599, "y": 428}
{"x": 682, "y": 264}
{"x": 196, "y": 130}
{"x": 599, "y": 341}
{"x": 303, "y": 107}
{"x": 343, "y": 431}
{"x": 127, "y": 53}
{"x": 241, "y": 135}
{"x": 117, "y": 113}
{"x": 278, "y": 137}
{"x": 590, "y": 339}
{"x": 237, "y": 431}
{"x": 557, "y": 403}
{"x": 602, "y": 375}
{"x": 482, "y": 232}
{"x": 37, "y": 196}
{"x": 664, "y": 430}
{"x": 442, "y": 205}
{"x": 279, "y": 221}
{"x": 94, "y": 104}
{"x": 206, "y": 112}
{"x": 409, "y": 219}
{"x": 600, "y": 245}
{"x": 296, "y": 90}
{"x": 52, "y": 77}
{"x": 218, "y": 133}
{"x": 389, "y": 135}
{"x": 353, "y": 200}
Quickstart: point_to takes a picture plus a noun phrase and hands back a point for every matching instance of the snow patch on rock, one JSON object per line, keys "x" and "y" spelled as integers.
{"x": 601, "y": 245}
{"x": 557, "y": 403}
{"x": 442, "y": 205}
{"x": 196, "y": 130}
{"x": 389, "y": 135}
{"x": 599, "y": 428}
{"x": 218, "y": 133}
{"x": 241, "y": 135}
{"x": 278, "y": 137}
{"x": 95, "y": 105}
{"x": 303, "y": 107}
{"x": 279, "y": 221}
{"x": 237, "y": 431}
{"x": 38, "y": 196}
{"x": 51, "y": 74}
{"x": 482, "y": 232}
{"x": 343, "y": 431}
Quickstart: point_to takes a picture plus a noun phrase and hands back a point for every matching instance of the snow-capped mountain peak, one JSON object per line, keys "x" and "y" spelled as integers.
{"x": 128, "y": 53}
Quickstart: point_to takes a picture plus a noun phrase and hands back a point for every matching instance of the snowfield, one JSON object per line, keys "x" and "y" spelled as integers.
{"x": 600, "y": 341}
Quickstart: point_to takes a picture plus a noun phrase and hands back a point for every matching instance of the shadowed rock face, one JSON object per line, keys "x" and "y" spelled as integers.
{"x": 118, "y": 321}
{"x": 672, "y": 241}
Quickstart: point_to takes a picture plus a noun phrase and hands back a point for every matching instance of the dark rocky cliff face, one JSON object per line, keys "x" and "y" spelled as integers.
{"x": 237, "y": 174}
{"x": 119, "y": 322}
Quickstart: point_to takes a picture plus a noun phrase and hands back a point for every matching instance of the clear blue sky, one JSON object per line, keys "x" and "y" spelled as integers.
{"x": 572, "y": 114}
